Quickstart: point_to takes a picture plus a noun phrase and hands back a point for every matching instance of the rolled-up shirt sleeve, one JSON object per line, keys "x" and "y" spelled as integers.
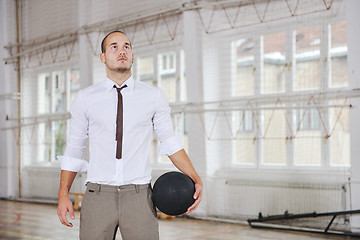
{"x": 76, "y": 141}
{"x": 164, "y": 129}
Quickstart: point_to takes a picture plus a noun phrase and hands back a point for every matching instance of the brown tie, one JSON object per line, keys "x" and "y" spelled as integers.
{"x": 119, "y": 123}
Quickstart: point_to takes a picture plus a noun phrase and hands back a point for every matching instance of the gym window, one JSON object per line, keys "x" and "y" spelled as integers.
{"x": 281, "y": 73}
{"x": 56, "y": 90}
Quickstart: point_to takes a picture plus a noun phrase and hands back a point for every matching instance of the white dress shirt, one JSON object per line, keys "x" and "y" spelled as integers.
{"x": 93, "y": 115}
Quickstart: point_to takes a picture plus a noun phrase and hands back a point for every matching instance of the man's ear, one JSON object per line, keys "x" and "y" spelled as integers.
{"x": 102, "y": 57}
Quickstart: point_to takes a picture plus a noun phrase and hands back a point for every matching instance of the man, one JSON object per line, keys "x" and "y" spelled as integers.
{"x": 118, "y": 116}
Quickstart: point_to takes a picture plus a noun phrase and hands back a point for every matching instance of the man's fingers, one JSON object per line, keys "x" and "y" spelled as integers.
{"x": 72, "y": 215}
{"x": 66, "y": 222}
{"x": 63, "y": 208}
{"x": 197, "y": 196}
{"x": 198, "y": 192}
{"x": 63, "y": 219}
{"x": 194, "y": 206}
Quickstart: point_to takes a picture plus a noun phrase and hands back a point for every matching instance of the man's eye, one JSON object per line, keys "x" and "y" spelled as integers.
{"x": 126, "y": 47}
{"x": 113, "y": 47}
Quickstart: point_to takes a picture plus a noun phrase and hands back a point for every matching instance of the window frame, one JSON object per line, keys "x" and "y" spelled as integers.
{"x": 325, "y": 75}
{"x": 50, "y": 126}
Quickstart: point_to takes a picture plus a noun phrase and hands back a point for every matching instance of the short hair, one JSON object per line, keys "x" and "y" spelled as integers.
{"x": 103, "y": 41}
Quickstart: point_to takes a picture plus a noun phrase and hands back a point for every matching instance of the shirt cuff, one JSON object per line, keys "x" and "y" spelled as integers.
{"x": 170, "y": 146}
{"x": 72, "y": 164}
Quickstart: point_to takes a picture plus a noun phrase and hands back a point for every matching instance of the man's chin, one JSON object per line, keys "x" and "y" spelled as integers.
{"x": 122, "y": 70}
{"x": 119, "y": 69}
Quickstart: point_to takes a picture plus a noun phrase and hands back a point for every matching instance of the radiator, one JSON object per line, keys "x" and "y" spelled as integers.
{"x": 242, "y": 198}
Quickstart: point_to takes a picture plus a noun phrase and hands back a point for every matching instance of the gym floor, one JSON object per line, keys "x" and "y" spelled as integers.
{"x": 20, "y": 220}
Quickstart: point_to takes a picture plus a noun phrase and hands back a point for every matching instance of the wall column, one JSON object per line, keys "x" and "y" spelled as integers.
{"x": 86, "y": 58}
{"x": 9, "y": 180}
{"x": 353, "y": 38}
{"x": 192, "y": 45}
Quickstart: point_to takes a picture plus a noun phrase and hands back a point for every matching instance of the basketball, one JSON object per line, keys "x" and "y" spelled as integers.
{"x": 173, "y": 193}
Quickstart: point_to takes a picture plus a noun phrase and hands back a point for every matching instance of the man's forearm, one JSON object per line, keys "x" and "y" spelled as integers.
{"x": 66, "y": 181}
{"x": 181, "y": 160}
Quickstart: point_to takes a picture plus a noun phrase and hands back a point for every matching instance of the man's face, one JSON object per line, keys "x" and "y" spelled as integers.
{"x": 117, "y": 55}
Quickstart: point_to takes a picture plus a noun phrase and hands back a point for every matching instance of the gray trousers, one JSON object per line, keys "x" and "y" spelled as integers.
{"x": 130, "y": 208}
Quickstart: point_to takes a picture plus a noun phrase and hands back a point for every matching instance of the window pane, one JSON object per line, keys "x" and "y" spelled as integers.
{"x": 340, "y": 137}
{"x": 244, "y": 121}
{"x": 167, "y": 62}
{"x": 180, "y": 127}
{"x": 45, "y": 140}
{"x": 185, "y": 133}
{"x": 308, "y": 119}
{"x": 59, "y": 130}
{"x": 44, "y": 93}
{"x": 307, "y": 72}
{"x": 168, "y": 81}
{"x": 183, "y": 77}
{"x": 308, "y": 137}
{"x": 244, "y": 149}
{"x": 243, "y": 144}
{"x": 171, "y": 61}
{"x": 145, "y": 68}
{"x": 274, "y": 61}
{"x": 168, "y": 85}
{"x": 338, "y": 53}
{"x": 274, "y": 143}
{"x": 164, "y": 63}
{"x": 43, "y": 146}
{"x": 308, "y": 148}
{"x": 244, "y": 50}
{"x": 59, "y": 92}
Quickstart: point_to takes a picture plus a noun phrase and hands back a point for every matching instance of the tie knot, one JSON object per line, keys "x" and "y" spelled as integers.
{"x": 120, "y": 88}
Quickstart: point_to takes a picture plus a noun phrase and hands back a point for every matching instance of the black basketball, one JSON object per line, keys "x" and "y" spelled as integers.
{"x": 173, "y": 193}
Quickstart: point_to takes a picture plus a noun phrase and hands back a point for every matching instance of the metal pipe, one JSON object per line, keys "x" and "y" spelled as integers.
{"x": 92, "y": 28}
{"x": 184, "y": 110}
{"x": 17, "y": 9}
{"x": 286, "y": 216}
{"x": 303, "y": 229}
{"x": 65, "y": 117}
{"x": 285, "y": 98}
{"x": 54, "y": 43}
{"x": 42, "y": 116}
{"x": 11, "y": 96}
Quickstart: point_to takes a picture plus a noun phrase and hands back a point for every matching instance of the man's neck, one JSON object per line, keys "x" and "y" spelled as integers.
{"x": 119, "y": 78}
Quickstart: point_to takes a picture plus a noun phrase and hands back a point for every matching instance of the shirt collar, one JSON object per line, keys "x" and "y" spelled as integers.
{"x": 109, "y": 84}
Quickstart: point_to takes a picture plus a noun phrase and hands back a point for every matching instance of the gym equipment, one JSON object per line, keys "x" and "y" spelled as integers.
{"x": 173, "y": 193}
{"x": 261, "y": 222}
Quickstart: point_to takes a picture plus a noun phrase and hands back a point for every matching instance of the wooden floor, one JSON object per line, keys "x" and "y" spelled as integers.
{"x": 19, "y": 220}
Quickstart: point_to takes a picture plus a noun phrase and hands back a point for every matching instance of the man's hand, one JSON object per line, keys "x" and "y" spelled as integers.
{"x": 181, "y": 160}
{"x": 197, "y": 197}
{"x": 64, "y": 206}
